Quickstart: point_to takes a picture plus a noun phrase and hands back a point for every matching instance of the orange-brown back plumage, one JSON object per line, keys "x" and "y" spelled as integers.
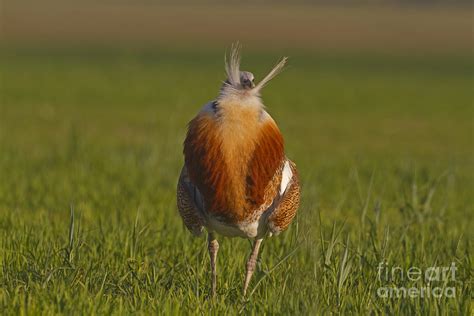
{"x": 231, "y": 155}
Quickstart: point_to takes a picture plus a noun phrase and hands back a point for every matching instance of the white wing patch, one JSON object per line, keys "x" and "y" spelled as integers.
{"x": 285, "y": 177}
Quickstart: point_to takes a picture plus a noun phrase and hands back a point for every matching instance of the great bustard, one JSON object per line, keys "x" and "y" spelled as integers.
{"x": 236, "y": 179}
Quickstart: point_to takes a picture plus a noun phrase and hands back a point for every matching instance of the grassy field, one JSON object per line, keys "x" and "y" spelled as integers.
{"x": 377, "y": 28}
{"x": 383, "y": 144}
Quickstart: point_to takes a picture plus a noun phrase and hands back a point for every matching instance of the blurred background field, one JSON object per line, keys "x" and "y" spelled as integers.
{"x": 376, "y": 107}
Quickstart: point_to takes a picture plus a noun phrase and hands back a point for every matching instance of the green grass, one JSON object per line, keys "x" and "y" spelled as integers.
{"x": 383, "y": 146}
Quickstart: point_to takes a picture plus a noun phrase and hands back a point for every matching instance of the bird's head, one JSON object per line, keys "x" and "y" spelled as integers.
{"x": 247, "y": 80}
{"x": 243, "y": 82}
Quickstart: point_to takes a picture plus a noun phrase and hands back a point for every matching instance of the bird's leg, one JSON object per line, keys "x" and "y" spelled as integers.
{"x": 213, "y": 246}
{"x": 251, "y": 263}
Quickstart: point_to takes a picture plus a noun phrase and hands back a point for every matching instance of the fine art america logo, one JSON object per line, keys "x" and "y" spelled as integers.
{"x": 424, "y": 283}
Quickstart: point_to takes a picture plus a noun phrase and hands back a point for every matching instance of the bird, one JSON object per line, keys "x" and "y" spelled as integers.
{"x": 236, "y": 180}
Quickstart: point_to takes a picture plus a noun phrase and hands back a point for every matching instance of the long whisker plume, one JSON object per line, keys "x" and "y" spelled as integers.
{"x": 272, "y": 74}
{"x": 232, "y": 66}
